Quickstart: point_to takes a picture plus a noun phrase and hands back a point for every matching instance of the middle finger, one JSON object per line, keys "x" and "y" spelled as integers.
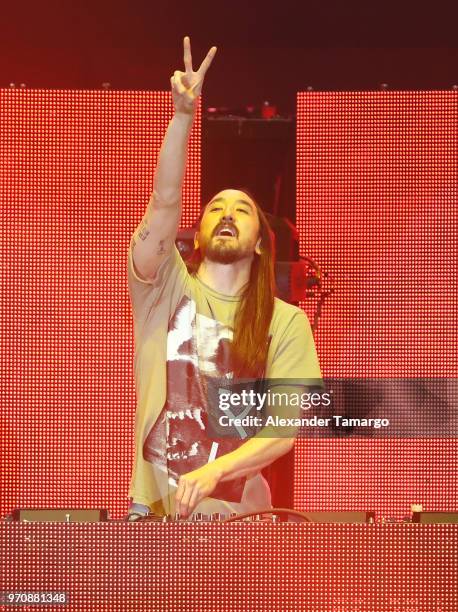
{"x": 187, "y": 54}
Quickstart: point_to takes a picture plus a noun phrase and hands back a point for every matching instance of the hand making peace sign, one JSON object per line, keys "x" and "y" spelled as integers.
{"x": 187, "y": 86}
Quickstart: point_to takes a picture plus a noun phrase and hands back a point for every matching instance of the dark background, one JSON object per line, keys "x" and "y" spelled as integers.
{"x": 265, "y": 50}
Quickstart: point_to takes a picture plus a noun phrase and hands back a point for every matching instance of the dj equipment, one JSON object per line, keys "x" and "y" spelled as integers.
{"x": 85, "y": 515}
{"x": 434, "y": 517}
{"x": 269, "y": 515}
{"x": 61, "y": 515}
{"x": 339, "y": 517}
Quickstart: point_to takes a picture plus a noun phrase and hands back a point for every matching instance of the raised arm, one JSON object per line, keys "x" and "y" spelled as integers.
{"x": 154, "y": 237}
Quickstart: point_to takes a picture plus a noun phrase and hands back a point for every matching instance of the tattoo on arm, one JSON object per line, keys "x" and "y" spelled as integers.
{"x": 143, "y": 232}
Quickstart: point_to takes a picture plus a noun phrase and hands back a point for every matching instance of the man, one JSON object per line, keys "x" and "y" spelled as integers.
{"x": 217, "y": 320}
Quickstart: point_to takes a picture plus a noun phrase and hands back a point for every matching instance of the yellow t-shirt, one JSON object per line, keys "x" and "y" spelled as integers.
{"x": 182, "y": 331}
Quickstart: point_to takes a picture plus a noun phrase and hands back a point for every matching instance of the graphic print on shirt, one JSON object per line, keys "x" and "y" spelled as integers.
{"x": 198, "y": 347}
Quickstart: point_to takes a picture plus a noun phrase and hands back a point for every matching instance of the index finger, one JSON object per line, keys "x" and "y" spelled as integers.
{"x": 205, "y": 65}
{"x": 187, "y": 54}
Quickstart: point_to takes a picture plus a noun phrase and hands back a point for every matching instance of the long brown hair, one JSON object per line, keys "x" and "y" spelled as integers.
{"x": 250, "y": 342}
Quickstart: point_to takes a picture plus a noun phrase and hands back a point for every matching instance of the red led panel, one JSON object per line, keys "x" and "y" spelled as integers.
{"x": 377, "y": 210}
{"x": 236, "y": 567}
{"x": 76, "y": 173}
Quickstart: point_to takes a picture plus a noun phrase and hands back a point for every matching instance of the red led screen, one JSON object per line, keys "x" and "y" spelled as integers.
{"x": 234, "y": 567}
{"x": 377, "y": 210}
{"x": 76, "y": 173}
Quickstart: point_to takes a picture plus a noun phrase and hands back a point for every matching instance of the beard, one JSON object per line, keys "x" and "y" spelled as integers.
{"x": 225, "y": 251}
